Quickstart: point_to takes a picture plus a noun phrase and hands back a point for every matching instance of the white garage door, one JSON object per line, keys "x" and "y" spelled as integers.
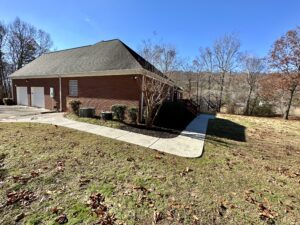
{"x": 37, "y": 97}
{"x": 22, "y": 97}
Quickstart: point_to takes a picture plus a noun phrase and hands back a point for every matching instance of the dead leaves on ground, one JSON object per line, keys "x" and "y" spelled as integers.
{"x": 24, "y": 197}
{"x": 159, "y": 155}
{"x": 84, "y": 181}
{"x": 174, "y": 209}
{"x": 24, "y": 179}
{"x": 265, "y": 212}
{"x": 61, "y": 219}
{"x": 284, "y": 171}
{"x": 60, "y": 166}
{"x": 56, "y": 210}
{"x": 186, "y": 171}
{"x": 157, "y": 216}
{"x": 96, "y": 203}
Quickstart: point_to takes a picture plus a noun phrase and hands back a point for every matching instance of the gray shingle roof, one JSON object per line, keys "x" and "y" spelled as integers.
{"x": 102, "y": 56}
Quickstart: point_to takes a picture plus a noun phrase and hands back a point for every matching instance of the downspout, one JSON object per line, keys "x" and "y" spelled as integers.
{"x": 12, "y": 89}
{"x": 142, "y": 100}
{"x": 60, "y": 94}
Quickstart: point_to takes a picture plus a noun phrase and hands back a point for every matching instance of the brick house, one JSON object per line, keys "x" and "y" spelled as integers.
{"x": 99, "y": 75}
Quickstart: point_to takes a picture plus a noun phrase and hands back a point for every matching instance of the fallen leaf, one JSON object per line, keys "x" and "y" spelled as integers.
{"x": 24, "y": 197}
{"x": 83, "y": 181}
{"x": 157, "y": 216}
{"x": 266, "y": 213}
{"x": 62, "y": 219}
{"x": 158, "y": 156}
{"x": 196, "y": 218}
{"x": 130, "y": 159}
{"x": 60, "y": 166}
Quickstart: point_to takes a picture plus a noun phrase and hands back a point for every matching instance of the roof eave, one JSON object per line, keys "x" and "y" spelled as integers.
{"x": 83, "y": 74}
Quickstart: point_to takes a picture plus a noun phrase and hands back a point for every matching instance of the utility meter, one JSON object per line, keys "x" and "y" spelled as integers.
{"x": 52, "y": 92}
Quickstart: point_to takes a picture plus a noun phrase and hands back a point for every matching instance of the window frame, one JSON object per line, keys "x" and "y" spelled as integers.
{"x": 73, "y": 84}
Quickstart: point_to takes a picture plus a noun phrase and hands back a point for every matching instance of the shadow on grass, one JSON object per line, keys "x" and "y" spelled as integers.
{"x": 227, "y": 129}
{"x": 159, "y": 132}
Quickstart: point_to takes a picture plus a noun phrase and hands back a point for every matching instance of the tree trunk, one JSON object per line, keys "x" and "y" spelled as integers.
{"x": 209, "y": 87}
{"x": 287, "y": 111}
{"x": 221, "y": 92}
{"x": 253, "y": 105}
{"x": 149, "y": 120}
{"x": 156, "y": 113}
{"x": 3, "y": 81}
{"x": 248, "y": 102}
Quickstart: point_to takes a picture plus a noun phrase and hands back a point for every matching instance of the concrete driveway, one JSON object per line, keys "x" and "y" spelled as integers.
{"x": 17, "y": 111}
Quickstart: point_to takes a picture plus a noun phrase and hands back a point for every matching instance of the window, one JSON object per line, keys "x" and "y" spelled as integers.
{"x": 73, "y": 88}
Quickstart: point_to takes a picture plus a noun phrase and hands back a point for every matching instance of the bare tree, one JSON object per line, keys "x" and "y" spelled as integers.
{"x": 156, "y": 90}
{"x": 163, "y": 56}
{"x": 205, "y": 63}
{"x": 285, "y": 58}
{"x": 186, "y": 71}
{"x": 226, "y": 53}
{"x": 253, "y": 67}
{"x": 3, "y": 36}
{"x": 25, "y": 43}
{"x": 44, "y": 42}
{"x": 20, "y": 43}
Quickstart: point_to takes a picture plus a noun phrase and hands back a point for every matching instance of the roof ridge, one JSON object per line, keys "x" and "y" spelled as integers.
{"x": 129, "y": 51}
{"x": 114, "y": 39}
{"x": 149, "y": 65}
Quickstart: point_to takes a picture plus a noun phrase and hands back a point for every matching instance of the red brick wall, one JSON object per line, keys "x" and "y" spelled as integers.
{"x": 50, "y": 103}
{"x": 99, "y": 92}
{"x": 103, "y": 92}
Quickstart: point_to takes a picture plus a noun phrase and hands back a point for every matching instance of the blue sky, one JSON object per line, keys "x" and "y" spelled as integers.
{"x": 187, "y": 25}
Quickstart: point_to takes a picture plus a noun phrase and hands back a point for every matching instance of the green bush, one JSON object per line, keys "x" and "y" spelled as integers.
{"x": 263, "y": 110}
{"x": 119, "y": 111}
{"x": 8, "y": 101}
{"x": 133, "y": 114}
{"x": 75, "y": 104}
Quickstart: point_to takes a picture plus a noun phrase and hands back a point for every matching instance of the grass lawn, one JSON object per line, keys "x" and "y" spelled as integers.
{"x": 249, "y": 174}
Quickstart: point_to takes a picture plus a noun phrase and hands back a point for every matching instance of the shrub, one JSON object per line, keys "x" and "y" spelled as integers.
{"x": 119, "y": 111}
{"x": 133, "y": 114}
{"x": 8, "y": 101}
{"x": 263, "y": 110}
{"x": 231, "y": 109}
{"x": 75, "y": 104}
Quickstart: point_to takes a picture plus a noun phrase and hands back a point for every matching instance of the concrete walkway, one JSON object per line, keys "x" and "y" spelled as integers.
{"x": 15, "y": 111}
{"x": 188, "y": 144}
